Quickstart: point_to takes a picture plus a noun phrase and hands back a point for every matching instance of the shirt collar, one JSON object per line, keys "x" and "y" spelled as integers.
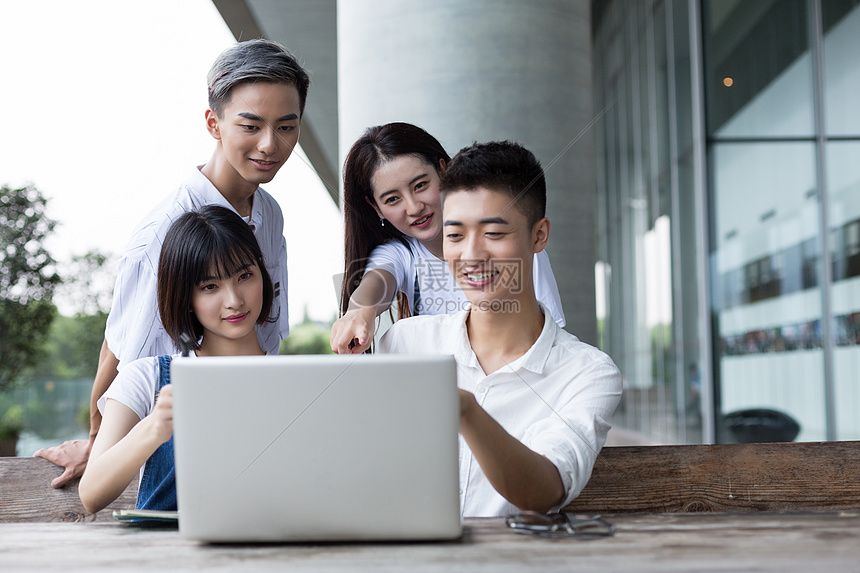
{"x": 209, "y": 195}
{"x": 534, "y": 359}
{"x": 463, "y": 352}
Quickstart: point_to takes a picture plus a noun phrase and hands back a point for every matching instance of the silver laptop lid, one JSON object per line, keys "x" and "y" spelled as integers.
{"x": 300, "y": 448}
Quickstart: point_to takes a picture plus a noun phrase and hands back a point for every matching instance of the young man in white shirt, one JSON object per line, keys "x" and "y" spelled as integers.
{"x": 535, "y": 402}
{"x": 257, "y": 93}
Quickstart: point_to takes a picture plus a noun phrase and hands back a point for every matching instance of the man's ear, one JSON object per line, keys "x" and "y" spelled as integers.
{"x": 213, "y": 124}
{"x": 540, "y": 235}
{"x": 373, "y": 204}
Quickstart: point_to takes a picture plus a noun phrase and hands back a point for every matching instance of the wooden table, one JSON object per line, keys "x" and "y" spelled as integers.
{"x": 659, "y": 542}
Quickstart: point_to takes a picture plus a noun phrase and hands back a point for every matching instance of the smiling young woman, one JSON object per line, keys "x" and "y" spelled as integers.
{"x": 393, "y": 239}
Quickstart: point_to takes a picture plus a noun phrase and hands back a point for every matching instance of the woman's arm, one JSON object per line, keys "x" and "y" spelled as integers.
{"x": 523, "y": 477}
{"x": 370, "y": 299}
{"x": 122, "y": 446}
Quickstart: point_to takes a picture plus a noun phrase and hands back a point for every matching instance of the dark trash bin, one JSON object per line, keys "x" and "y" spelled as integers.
{"x": 762, "y": 425}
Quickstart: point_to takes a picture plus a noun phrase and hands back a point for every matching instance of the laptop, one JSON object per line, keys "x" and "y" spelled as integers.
{"x": 316, "y": 448}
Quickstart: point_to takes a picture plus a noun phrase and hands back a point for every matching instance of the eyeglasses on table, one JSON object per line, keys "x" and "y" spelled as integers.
{"x": 560, "y": 525}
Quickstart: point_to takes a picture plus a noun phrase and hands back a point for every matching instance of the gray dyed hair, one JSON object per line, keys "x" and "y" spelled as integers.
{"x": 254, "y": 61}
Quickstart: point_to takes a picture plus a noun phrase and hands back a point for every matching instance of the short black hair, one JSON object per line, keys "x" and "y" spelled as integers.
{"x": 211, "y": 240}
{"x": 502, "y": 166}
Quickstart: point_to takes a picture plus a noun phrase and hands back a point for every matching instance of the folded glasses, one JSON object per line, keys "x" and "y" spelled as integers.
{"x": 560, "y": 525}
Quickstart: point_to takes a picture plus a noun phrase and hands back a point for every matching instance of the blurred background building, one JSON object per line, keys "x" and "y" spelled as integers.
{"x": 703, "y": 169}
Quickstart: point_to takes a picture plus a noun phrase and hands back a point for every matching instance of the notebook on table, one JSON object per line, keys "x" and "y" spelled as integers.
{"x": 316, "y": 448}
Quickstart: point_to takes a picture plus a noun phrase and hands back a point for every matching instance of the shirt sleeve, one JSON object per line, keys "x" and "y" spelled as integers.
{"x": 392, "y": 341}
{"x": 271, "y": 334}
{"x": 135, "y": 387}
{"x": 573, "y": 436}
{"x": 397, "y": 259}
{"x": 133, "y": 327}
{"x": 546, "y": 289}
{"x": 282, "y": 293}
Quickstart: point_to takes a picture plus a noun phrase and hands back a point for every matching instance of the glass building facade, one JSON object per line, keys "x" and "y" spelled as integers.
{"x": 728, "y": 177}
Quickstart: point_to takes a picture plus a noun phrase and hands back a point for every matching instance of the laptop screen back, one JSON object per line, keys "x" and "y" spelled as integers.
{"x": 299, "y": 448}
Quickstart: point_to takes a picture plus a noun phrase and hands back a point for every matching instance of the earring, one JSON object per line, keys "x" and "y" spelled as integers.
{"x": 382, "y": 220}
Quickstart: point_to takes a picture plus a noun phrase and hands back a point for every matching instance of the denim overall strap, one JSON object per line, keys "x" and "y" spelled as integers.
{"x": 158, "y": 485}
{"x": 416, "y": 296}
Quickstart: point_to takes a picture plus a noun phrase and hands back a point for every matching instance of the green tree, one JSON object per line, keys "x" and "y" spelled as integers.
{"x": 27, "y": 281}
{"x": 90, "y": 281}
{"x": 307, "y": 338}
{"x": 74, "y": 342}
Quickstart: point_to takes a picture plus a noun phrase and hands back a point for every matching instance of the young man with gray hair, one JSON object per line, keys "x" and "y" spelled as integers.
{"x": 257, "y": 94}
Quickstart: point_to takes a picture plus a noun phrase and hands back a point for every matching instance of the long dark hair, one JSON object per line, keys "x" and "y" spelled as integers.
{"x": 199, "y": 243}
{"x": 362, "y": 229}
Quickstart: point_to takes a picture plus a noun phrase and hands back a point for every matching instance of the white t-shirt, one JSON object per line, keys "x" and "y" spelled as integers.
{"x": 135, "y": 386}
{"x": 438, "y": 290}
{"x": 556, "y": 399}
{"x": 134, "y": 327}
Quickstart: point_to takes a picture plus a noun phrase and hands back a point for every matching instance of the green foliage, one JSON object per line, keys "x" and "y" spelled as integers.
{"x": 12, "y": 422}
{"x": 43, "y": 415}
{"x": 27, "y": 281}
{"x": 73, "y": 345}
{"x": 72, "y": 349}
{"x": 82, "y": 418}
{"x": 24, "y": 328}
{"x": 662, "y": 353}
{"x": 88, "y": 283}
{"x": 307, "y": 338}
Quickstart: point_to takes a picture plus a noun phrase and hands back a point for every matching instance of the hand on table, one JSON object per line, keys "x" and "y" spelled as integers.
{"x": 71, "y": 455}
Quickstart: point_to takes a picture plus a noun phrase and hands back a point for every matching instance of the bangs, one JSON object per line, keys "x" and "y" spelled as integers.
{"x": 220, "y": 260}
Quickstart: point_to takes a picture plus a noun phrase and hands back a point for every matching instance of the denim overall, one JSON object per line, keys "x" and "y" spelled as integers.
{"x": 416, "y": 296}
{"x": 158, "y": 485}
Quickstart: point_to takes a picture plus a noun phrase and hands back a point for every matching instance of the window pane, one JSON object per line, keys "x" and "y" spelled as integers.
{"x": 648, "y": 222}
{"x": 843, "y": 181}
{"x": 766, "y": 294}
{"x": 841, "y": 72}
{"x": 758, "y": 68}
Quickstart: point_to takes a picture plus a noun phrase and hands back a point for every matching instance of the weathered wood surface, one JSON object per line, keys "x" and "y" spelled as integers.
{"x": 643, "y": 543}
{"x": 640, "y": 479}
{"x": 26, "y": 494}
{"x": 729, "y": 477}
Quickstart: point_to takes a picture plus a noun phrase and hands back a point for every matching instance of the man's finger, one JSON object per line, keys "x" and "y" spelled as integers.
{"x": 48, "y": 454}
{"x": 63, "y": 479}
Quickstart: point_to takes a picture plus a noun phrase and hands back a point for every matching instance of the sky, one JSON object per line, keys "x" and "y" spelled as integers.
{"x": 103, "y": 111}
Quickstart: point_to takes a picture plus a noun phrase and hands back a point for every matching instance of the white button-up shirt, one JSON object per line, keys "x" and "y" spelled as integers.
{"x": 556, "y": 399}
{"x": 134, "y": 327}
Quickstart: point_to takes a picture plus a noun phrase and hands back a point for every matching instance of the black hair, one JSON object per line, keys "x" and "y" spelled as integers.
{"x": 501, "y": 166}
{"x": 362, "y": 229}
{"x": 211, "y": 240}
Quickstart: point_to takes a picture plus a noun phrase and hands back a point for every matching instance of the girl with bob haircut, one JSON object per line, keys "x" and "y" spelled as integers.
{"x": 213, "y": 288}
{"x": 393, "y": 239}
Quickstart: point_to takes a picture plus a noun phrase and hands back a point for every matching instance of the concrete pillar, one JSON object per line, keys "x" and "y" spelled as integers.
{"x": 481, "y": 70}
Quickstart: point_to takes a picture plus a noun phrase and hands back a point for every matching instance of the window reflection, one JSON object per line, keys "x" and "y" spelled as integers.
{"x": 767, "y": 267}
